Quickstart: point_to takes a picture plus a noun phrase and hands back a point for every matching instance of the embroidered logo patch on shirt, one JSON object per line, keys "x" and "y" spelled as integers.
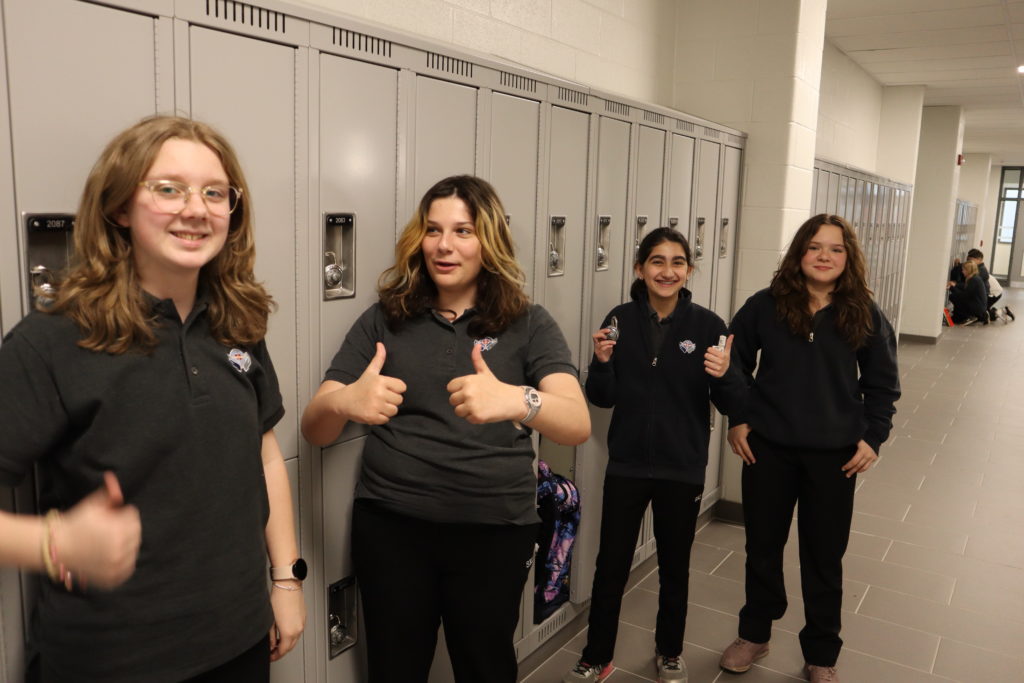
{"x": 486, "y": 344}
{"x": 687, "y": 346}
{"x": 241, "y": 360}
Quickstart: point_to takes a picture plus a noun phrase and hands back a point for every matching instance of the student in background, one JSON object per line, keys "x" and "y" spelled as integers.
{"x": 151, "y": 364}
{"x": 819, "y": 407}
{"x": 452, "y": 368}
{"x": 969, "y": 298}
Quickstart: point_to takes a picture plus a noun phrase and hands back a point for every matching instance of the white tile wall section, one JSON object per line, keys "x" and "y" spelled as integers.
{"x": 531, "y": 15}
{"x": 430, "y": 18}
{"x": 899, "y": 131}
{"x": 755, "y": 269}
{"x": 548, "y": 54}
{"x": 975, "y": 176}
{"x": 851, "y": 100}
{"x": 577, "y": 24}
{"x": 487, "y": 35}
{"x": 774, "y": 55}
{"x": 616, "y": 7}
{"x": 479, "y": 6}
{"x": 777, "y": 17}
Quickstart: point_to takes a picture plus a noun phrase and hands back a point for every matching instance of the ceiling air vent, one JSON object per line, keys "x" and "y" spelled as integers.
{"x": 616, "y": 108}
{"x": 449, "y": 65}
{"x": 518, "y": 82}
{"x": 241, "y": 13}
{"x": 361, "y": 42}
{"x": 573, "y": 96}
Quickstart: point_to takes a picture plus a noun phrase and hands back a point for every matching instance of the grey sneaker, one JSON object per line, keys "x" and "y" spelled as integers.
{"x": 821, "y": 674}
{"x": 741, "y": 655}
{"x": 671, "y": 669}
{"x": 588, "y": 672}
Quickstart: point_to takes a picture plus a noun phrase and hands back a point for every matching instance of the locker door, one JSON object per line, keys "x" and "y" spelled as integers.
{"x": 702, "y": 233}
{"x": 265, "y": 144}
{"x": 563, "y": 235}
{"x": 650, "y": 167}
{"x": 445, "y": 133}
{"x": 357, "y": 164}
{"x": 819, "y": 193}
{"x": 515, "y": 138}
{"x": 724, "y": 256}
{"x": 610, "y": 229}
{"x": 833, "y": 193}
{"x": 680, "y": 184}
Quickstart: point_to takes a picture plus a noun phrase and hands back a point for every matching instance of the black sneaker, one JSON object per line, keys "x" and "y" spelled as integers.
{"x": 588, "y": 672}
{"x": 1010, "y": 313}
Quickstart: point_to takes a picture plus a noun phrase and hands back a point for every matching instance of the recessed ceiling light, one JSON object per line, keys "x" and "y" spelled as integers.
{"x": 1020, "y": 69}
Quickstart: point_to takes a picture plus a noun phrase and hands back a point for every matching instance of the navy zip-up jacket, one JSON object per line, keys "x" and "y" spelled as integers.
{"x": 815, "y": 393}
{"x": 660, "y": 425}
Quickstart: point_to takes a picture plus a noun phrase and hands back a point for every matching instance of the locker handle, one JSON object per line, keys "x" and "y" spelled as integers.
{"x": 723, "y": 241}
{"x": 603, "y": 242}
{"x": 641, "y": 221}
{"x": 556, "y": 247}
{"x": 339, "y": 256}
{"x": 698, "y": 242}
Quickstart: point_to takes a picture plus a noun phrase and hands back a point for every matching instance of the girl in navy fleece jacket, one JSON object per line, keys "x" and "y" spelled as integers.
{"x": 818, "y": 409}
{"x": 657, "y": 359}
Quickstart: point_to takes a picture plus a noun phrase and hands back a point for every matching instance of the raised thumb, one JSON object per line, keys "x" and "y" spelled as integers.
{"x": 112, "y": 488}
{"x": 479, "y": 364}
{"x": 377, "y": 362}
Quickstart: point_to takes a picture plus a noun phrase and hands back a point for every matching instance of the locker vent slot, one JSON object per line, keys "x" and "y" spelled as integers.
{"x": 684, "y": 125}
{"x": 616, "y": 108}
{"x": 241, "y": 13}
{"x": 654, "y": 118}
{"x": 518, "y": 82}
{"x": 361, "y": 42}
{"x": 573, "y": 96}
{"x": 449, "y": 65}
{"x": 711, "y": 133}
{"x": 553, "y": 624}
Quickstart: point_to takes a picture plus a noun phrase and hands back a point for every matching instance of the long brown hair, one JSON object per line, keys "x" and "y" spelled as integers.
{"x": 851, "y": 297}
{"x": 406, "y": 289}
{"x": 101, "y": 292}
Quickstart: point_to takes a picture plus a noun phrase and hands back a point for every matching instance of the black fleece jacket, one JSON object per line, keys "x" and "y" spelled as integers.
{"x": 660, "y": 425}
{"x": 808, "y": 393}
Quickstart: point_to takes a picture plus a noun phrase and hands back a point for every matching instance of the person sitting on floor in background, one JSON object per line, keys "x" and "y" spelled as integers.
{"x": 993, "y": 290}
{"x": 969, "y": 298}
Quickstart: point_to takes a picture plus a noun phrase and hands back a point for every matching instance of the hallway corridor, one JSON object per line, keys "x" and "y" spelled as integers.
{"x": 934, "y": 576}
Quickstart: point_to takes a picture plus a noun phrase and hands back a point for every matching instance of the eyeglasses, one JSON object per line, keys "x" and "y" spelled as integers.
{"x": 171, "y": 196}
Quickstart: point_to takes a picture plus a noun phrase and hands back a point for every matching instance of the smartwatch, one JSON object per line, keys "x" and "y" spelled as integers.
{"x": 296, "y": 570}
{"x": 531, "y": 397}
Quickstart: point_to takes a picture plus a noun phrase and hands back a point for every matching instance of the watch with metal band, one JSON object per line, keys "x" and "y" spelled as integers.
{"x": 531, "y": 397}
{"x": 296, "y": 570}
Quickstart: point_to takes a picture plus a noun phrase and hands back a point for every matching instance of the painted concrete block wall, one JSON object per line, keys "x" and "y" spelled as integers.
{"x": 899, "y": 132}
{"x": 974, "y": 180}
{"x": 756, "y": 65}
{"x": 623, "y": 46}
{"x": 849, "y": 111}
{"x": 931, "y": 227}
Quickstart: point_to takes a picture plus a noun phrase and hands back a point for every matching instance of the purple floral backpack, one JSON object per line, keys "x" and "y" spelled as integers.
{"x": 558, "y": 504}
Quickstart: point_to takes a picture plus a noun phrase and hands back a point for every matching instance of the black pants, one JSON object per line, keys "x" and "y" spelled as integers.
{"x": 414, "y": 575}
{"x": 252, "y": 666}
{"x": 781, "y": 478}
{"x": 675, "y": 505}
{"x": 992, "y": 302}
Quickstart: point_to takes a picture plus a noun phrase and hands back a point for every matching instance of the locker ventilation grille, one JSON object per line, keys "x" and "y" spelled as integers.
{"x": 711, "y": 133}
{"x": 518, "y": 82}
{"x": 361, "y": 42}
{"x": 684, "y": 125}
{"x": 241, "y": 13}
{"x": 616, "y": 108}
{"x": 552, "y": 625}
{"x": 574, "y": 96}
{"x": 449, "y": 65}
{"x": 653, "y": 117}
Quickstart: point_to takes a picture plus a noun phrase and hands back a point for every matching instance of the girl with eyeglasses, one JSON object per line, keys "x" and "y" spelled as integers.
{"x": 453, "y": 369}
{"x": 659, "y": 361}
{"x": 144, "y": 392}
{"x": 819, "y": 408}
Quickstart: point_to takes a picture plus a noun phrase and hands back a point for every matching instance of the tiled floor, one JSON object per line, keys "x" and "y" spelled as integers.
{"x": 935, "y": 571}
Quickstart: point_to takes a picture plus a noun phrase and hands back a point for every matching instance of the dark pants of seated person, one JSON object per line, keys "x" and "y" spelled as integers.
{"x": 992, "y": 302}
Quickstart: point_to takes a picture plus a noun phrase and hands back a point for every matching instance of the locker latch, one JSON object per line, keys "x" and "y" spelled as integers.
{"x": 341, "y": 616}
{"x": 556, "y": 247}
{"x": 339, "y": 256}
{"x": 698, "y": 242}
{"x": 641, "y": 221}
{"x": 723, "y": 241}
{"x": 603, "y": 237}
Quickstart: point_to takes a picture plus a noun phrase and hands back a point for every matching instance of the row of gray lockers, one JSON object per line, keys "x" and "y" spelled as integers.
{"x": 879, "y": 210}
{"x": 347, "y": 128}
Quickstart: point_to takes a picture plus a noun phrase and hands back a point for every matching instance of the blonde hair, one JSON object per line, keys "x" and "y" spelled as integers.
{"x": 406, "y": 289}
{"x": 970, "y": 269}
{"x": 101, "y": 292}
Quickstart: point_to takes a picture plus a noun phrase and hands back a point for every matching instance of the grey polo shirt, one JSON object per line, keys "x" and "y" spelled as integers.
{"x": 182, "y": 428}
{"x": 428, "y": 463}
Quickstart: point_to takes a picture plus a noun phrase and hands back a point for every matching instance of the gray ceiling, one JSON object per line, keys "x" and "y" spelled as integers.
{"x": 965, "y": 52}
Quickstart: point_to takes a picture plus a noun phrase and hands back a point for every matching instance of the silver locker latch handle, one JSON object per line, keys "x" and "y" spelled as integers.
{"x": 673, "y": 221}
{"x": 641, "y": 221}
{"x": 339, "y": 256}
{"x": 556, "y": 247}
{"x": 723, "y": 241}
{"x": 604, "y": 224}
{"x": 698, "y": 242}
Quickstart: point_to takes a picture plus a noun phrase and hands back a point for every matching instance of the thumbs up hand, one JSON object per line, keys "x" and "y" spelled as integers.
{"x": 374, "y": 398}
{"x": 98, "y": 539}
{"x": 716, "y": 359}
{"x": 481, "y": 397}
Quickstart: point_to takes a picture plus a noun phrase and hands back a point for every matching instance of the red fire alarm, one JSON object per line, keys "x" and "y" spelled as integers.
{"x": 959, "y": 159}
